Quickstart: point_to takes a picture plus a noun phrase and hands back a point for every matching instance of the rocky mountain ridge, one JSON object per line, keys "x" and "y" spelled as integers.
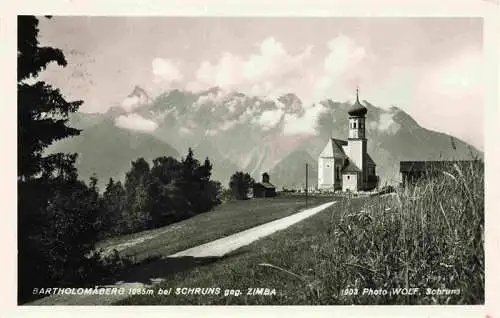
{"x": 255, "y": 134}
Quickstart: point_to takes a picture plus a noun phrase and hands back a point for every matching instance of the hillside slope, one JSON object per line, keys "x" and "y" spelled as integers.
{"x": 107, "y": 150}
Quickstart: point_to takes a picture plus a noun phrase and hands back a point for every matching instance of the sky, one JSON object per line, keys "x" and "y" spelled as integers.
{"x": 429, "y": 67}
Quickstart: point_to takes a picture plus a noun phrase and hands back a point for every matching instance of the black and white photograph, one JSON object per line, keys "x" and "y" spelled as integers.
{"x": 257, "y": 160}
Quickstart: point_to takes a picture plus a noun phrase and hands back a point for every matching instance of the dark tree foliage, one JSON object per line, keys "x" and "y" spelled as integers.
{"x": 60, "y": 218}
{"x": 113, "y": 207}
{"x": 168, "y": 192}
{"x": 70, "y": 230}
{"x": 31, "y": 59}
{"x": 57, "y": 214}
{"x": 189, "y": 166}
{"x": 42, "y": 111}
{"x": 200, "y": 193}
{"x": 240, "y": 184}
{"x": 167, "y": 200}
{"x": 137, "y": 181}
{"x": 205, "y": 171}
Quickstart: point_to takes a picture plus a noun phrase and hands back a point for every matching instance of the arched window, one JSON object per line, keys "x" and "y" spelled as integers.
{"x": 354, "y": 125}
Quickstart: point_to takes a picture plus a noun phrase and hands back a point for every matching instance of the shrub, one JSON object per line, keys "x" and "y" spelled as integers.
{"x": 240, "y": 184}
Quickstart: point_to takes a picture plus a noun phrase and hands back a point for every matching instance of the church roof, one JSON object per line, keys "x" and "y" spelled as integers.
{"x": 334, "y": 149}
{"x": 350, "y": 167}
{"x": 370, "y": 160}
{"x": 357, "y": 109}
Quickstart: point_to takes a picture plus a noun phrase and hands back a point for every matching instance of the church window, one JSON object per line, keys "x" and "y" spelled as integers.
{"x": 348, "y": 177}
{"x": 354, "y": 124}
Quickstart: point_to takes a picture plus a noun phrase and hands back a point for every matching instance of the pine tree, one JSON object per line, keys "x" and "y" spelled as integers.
{"x": 204, "y": 172}
{"x": 137, "y": 181}
{"x": 189, "y": 165}
{"x": 113, "y": 209}
{"x": 206, "y": 191}
{"x": 54, "y": 223}
{"x": 41, "y": 109}
{"x": 70, "y": 230}
{"x": 240, "y": 184}
{"x": 167, "y": 205}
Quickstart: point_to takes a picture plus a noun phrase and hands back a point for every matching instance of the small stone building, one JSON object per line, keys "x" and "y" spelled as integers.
{"x": 264, "y": 188}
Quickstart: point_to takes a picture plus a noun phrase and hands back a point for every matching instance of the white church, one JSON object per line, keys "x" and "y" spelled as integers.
{"x": 346, "y": 165}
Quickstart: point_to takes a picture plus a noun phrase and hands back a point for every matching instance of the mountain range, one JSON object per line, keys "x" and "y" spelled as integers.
{"x": 254, "y": 134}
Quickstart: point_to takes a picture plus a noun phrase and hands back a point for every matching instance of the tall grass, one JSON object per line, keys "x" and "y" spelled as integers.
{"x": 429, "y": 234}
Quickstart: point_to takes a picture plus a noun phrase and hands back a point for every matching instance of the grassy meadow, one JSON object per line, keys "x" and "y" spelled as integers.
{"x": 427, "y": 235}
{"x": 223, "y": 220}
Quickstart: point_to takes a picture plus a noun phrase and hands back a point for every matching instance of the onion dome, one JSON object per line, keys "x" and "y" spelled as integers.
{"x": 357, "y": 109}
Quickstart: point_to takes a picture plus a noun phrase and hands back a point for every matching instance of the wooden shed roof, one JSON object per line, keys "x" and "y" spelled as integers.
{"x": 420, "y": 166}
{"x": 264, "y": 185}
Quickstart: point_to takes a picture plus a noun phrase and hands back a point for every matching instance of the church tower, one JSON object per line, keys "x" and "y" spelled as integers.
{"x": 357, "y": 138}
{"x": 345, "y": 164}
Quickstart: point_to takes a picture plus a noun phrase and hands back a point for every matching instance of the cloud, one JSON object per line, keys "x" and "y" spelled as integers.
{"x": 185, "y": 131}
{"x": 272, "y": 61}
{"x": 449, "y": 96}
{"x": 212, "y": 96}
{"x": 261, "y": 73}
{"x": 227, "y": 125}
{"x": 135, "y": 101}
{"x": 344, "y": 65}
{"x": 166, "y": 70}
{"x": 386, "y": 123}
{"x": 135, "y": 122}
{"x": 343, "y": 55}
{"x": 130, "y": 103}
{"x": 305, "y": 124}
{"x": 225, "y": 73}
{"x": 269, "y": 118}
{"x": 211, "y": 132}
{"x": 460, "y": 75}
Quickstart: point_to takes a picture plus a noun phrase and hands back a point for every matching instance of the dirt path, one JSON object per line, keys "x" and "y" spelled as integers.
{"x": 151, "y": 273}
{"x": 225, "y": 245}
